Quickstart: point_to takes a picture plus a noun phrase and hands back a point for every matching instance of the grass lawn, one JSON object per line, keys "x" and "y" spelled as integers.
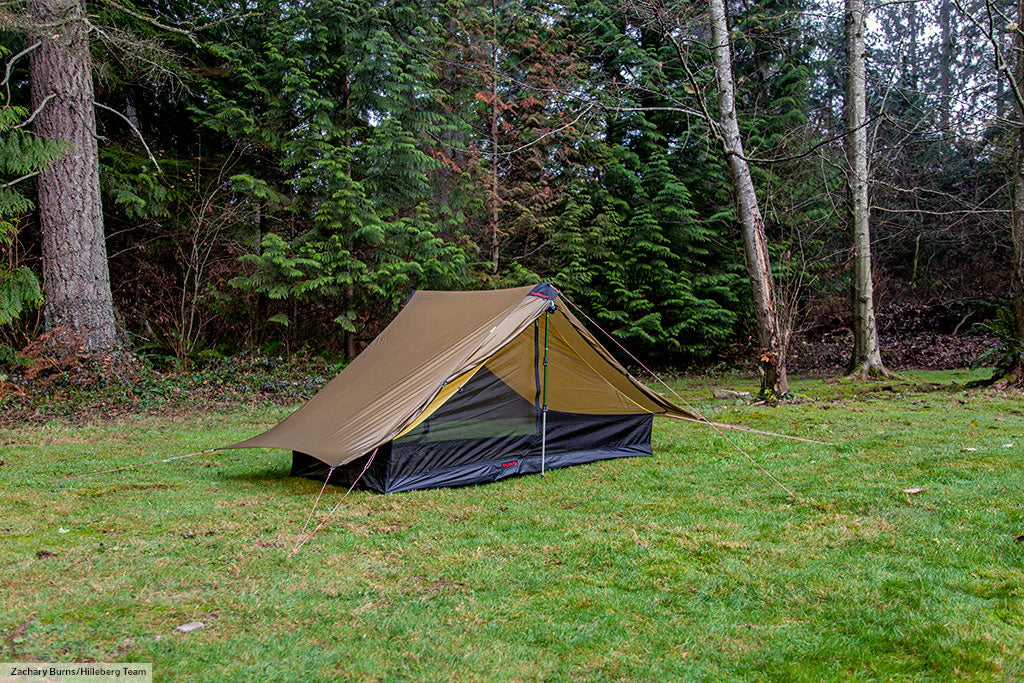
{"x": 688, "y": 565}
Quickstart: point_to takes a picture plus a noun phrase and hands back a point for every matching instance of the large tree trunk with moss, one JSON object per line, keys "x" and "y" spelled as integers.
{"x": 867, "y": 355}
{"x": 76, "y": 280}
{"x": 772, "y": 334}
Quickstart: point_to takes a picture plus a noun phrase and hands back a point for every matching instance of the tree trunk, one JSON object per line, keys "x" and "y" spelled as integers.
{"x": 1004, "y": 46}
{"x": 76, "y": 281}
{"x": 945, "y": 65}
{"x": 350, "y": 336}
{"x": 1017, "y": 221}
{"x": 495, "y": 111}
{"x": 772, "y": 335}
{"x": 867, "y": 356}
{"x": 913, "y": 33}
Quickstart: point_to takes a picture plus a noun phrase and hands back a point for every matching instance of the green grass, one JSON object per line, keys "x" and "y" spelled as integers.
{"x": 689, "y": 565}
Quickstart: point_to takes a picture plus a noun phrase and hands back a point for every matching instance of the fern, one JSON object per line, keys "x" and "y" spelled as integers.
{"x": 22, "y": 155}
{"x": 1008, "y": 353}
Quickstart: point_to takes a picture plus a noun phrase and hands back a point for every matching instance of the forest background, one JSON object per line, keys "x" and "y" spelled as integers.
{"x": 276, "y": 178}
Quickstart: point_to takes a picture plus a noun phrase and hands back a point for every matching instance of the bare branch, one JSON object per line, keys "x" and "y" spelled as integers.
{"x": 139, "y": 134}
{"x": 157, "y": 62}
{"x": 926, "y": 212}
{"x": 153, "y": 22}
{"x": 36, "y": 112}
{"x": 989, "y": 32}
{"x": 679, "y": 110}
{"x": 188, "y": 33}
{"x": 10, "y": 63}
{"x": 18, "y": 180}
{"x": 553, "y": 131}
{"x": 814, "y": 148}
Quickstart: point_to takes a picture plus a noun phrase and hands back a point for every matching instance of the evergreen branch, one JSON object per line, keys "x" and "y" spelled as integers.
{"x": 137, "y": 132}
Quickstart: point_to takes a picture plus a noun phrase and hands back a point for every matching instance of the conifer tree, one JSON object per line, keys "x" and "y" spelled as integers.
{"x": 348, "y": 97}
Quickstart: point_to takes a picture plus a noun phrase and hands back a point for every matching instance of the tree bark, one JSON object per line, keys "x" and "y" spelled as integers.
{"x": 945, "y": 65}
{"x": 495, "y": 111}
{"x": 1004, "y": 46}
{"x": 867, "y": 356}
{"x": 913, "y": 33}
{"x": 1017, "y": 221}
{"x": 76, "y": 280}
{"x": 773, "y": 337}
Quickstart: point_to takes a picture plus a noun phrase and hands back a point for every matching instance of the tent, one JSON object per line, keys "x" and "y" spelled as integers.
{"x": 466, "y": 388}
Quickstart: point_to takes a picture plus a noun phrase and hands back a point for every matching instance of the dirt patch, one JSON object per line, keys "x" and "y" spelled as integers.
{"x": 828, "y": 355}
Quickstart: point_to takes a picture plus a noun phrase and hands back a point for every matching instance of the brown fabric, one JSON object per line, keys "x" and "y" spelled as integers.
{"x": 613, "y": 371}
{"x": 582, "y": 378}
{"x": 436, "y": 339}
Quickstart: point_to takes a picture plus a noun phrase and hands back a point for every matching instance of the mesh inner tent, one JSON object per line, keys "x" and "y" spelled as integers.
{"x": 485, "y": 421}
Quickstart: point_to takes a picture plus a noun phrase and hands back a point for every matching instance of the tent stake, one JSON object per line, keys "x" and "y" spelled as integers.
{"x": 544, "y": 409}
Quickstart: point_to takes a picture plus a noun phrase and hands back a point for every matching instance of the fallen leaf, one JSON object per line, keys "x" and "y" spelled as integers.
{"x": 191, "y": 626}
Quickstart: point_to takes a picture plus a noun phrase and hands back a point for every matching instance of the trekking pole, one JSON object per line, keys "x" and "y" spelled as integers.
{"x": 544, "y": 408}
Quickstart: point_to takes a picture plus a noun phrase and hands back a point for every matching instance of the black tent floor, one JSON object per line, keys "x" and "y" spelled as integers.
{"x": 572, "y": 440}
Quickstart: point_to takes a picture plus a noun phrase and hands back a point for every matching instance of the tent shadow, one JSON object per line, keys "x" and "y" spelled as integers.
{"x": 270, "y": 473}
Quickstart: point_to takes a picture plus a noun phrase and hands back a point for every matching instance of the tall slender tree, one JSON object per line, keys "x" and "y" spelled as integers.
{"x": 76, "y": 279}
{"x": 1010, "y": 71}
{"x": 945, "y": 64}
{"x": 867, "y": 355}
{"x": 1017, "y": 221}
{"x": 773, "y": 335}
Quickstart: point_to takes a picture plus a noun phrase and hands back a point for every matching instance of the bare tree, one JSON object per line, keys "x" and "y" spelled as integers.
{"x": 495, "y": 115}
{"x": 1017, "y": 221}
{"x": 76, "y": 280}
{"x": 945, "y": 64}
{"x": 1012, "y": 74}
{"x": 867, "y": 356}
{"x": 773, "y": 335}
